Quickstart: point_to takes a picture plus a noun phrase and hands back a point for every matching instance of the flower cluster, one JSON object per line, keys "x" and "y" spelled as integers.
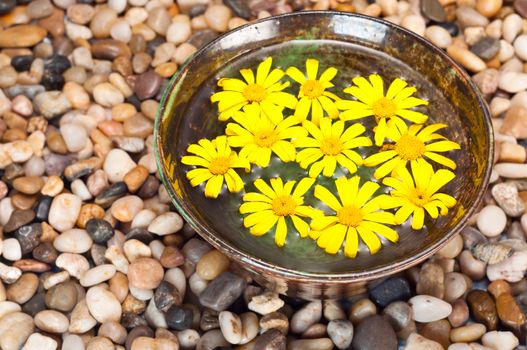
{"x": 294, "y": 116}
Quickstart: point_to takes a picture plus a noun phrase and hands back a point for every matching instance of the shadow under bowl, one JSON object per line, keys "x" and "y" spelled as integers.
{"x": 355, "y": 45}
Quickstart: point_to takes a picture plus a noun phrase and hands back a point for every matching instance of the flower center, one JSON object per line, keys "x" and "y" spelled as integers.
{"x": 265, "y": 138}
{"x": 384, "y": 108}
{"x": 219, "y": 165}
{"x": 284, "y": 206}
{"x": 255, "y": 93}
{"x": 331, "y": 146}
{"x": 350, "y": 216}
{"x": 409, "y": 147}
{"x": 419, "y": 198}
{"x": 312, "y": 89}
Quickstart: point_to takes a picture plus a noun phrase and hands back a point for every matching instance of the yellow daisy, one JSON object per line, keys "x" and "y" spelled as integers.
{"x": 387, "y": 109}
{"x": 355, "y": 215}
{"x": 313, "y": 95}
{"x": 330, "y": 144}
{"x": 412, "y": 144}
{"x": 417, "y": 194}
{"x": 273, "y": 204}
{"x": 215, "y": 162}
{"x": 259, "y": 137}
{"x": 264, "y": 91}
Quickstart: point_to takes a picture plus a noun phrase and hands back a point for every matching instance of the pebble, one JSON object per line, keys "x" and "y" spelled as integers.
{"x": 390, "y": 290}
{"x": 147, "y": 85}
{"x": 75, "y": 136}
{"x": 511, "y": 269}
{"x": 468, "y": 333}
{"x": 19, "y": 218}
{"x": 99, "y": 230}
{"x": 491, "y": 220}
{"x": 431, "y": 280}
{"x": 124, "y": 209}
{"x": 500, "y": 340}
{"x": 15, "y": 328}
{"x": 36, "y": 341}
{"x": 51, "y": 321}
{"x": 80, "y": 320}
{"x": 168, "y": 223}
{"x": 439, "y": 36}
{"x": 270, "y": 340}
{"x": 418, "y": 342}
{"x": 231, "y": 327}
{"x": 306, "y": 317}
{"x": 486, "y": 48}
{"x": 509, "y": 312}
{"x": 433, "y": 10}
{"x": 212, "y": 264}
{"x": 116, "y": 164}
{"x": 178, "y": 32}
{"x": 145, "y": 273}
{"x": 52, "y": 104}
{"x": 64, "y": 211}
{"x": 517, "y": 84}
{"x": 265, "y": 303}
{"x": 25, "y": 35}
{"x": 23, "y": 289}
{"x": 107, "y": 95}
{"x": 179, "y": 317}
{"x": 217, "y": 17}
{"x": 341, "y": 333}
{"x": 469, "y": 17}
{"x": 222, "y": 291}
{"x": 466, "y": 58}
{"x": 103, "y": 304}
{"x": 427, "y": 308}
{"x": 73, "y": 241}
{"x": 483, "y": 308}
{"x": 11, "y": 249}
{"x": 366, "y": 334}
{"x": 97, "y": 275}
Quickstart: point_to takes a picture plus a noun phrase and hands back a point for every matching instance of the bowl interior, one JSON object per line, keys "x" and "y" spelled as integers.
{"x": 355, "y": 45}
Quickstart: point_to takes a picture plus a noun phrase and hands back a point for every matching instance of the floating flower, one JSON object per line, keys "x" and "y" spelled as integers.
{"x": 313, "y": 95}
{"x": 412, "y": 144}
{"x": 355, "y": 215}
{"x": 273, "y": 204}
{"x": 387, "y": 109}
{"x": 215, "y": 162}
{"x": 265, "y": 92}
{"x": 259, "y": 137}
{"x": 330, "y": 144}
{"x": 417, "y": 194}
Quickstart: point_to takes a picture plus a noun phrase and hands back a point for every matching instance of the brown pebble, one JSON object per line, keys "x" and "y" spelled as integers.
{"x": 438, "y": 331}
{"x": 24, "y": 35}
{"x": 171, "y": 257}
{"x": 31, "y": 265}
{"x": 23, "y": 201}
{"x": 145, "y": 273}
{"x": 23, "y": 289}
{"x": 54, "y": 23}
{"x": 133, "y": 305}
{"x": 110, "y": 49}
{"x": 89, "y": 211}
{"x": 515, "y": 123}
{"x": 498, "y": 287}
{"x": 509, "y": 312}
{"x": 28, "y": 184}
{"x": 459, "y": 314}
{"x": 483, "y": 308}
{"x": 212, "y": 264}
{"x": 135, "y": 178}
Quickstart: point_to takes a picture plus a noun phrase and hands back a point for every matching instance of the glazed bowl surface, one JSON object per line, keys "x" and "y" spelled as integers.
{"x": 355, "y": 45}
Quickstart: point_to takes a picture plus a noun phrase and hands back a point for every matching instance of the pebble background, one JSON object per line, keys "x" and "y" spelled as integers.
{"x": 94, "y": 257}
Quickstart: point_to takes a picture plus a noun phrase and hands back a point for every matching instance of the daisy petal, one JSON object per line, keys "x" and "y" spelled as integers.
{"x": 281, "y": 232}
{"x": 327, "y": 197}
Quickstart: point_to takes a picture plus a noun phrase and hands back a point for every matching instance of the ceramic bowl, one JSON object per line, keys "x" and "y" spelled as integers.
{"x": 355, "y": 45}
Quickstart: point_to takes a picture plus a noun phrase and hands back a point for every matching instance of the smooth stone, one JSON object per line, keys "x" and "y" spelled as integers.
{"x": 15, "y": 328}
{"x": 486, "y": 48}
{"x": 23, "y": 289}
{"x": 390, "y": 290}
{"x": 491, "y": 220}
{"x": 222, "y": 292}
{"x": 500, "y": 340}
{"x": 418, "y": 342}
{"x": 51, "y": 321}
{"x": 433, "y": 10}
{"x": 73, "y": 241}
{"x": 431, "y": 280}
{"x": 230, "y": 326}
{"x": 506, "y": 195}
{"x": 29, "y": 237}
{"x": 116, "y": 164}
{"x": 341, "y": 333}
{"x": 147, "y": 85}
{"x": 64, "y": 211}
{"x": 7, "y": 307}
{"x": 97, "y": 275}
{"x": 166, "y": 295}
{"x": 36, "y": 341}
{"x": 126, "y": 208}
{"x": 103, "y": 304}
{"x": 99, "y": 230}
{"x": 166, "y": 223}
{"x": 212, "y": 264}
{"x": 513, "y": 82}
{"x": 399, "y": 314}
{"x": 179, "y": 317}
{"x": 19, "y": 218}
{"x": 511, "y": 269}
{"x": 511, "y": 171}
{"x": 28, "y": 184}
{"x": 52, "y": 104}
{"x": 145, "y": 273}
{"x": 483, "y": 308}
{"x": 273, "y": 339}
{"x": 111, "y": 194}
{"x": 306, "y": 317}
{"x": 469, "y": 17}
{"x": 24, "y": 35}
{"x": 509, "y": 312}
{"x": 11, "y": 249}
{"x": 42, "y": 208}
{"x": 468, "y": 333}
{"x": 62, "y": 297}
{"x": 427, "y": 308}
{"x": 110, "y": 49}
{"x": 81, "y": 320}
{"x": 212, "y": 340}
{"x": 466, "y": 58}
{"x": 266, "y": 303}
{"x": 367, "y": 331}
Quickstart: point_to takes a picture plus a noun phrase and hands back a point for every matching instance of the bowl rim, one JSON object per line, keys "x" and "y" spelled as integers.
{"x": 258, "y": 265}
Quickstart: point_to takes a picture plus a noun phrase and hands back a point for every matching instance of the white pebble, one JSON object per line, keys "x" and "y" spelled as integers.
{"x": 79, "y": 188}
{"x": 511, "y": 269}
{"x": 491, "y": 220}
{"x": 197, "y": 284}
{"x": 103, "y": 304}
{"x": 75, "y": 136}
{"x": 500, "y": 340}
{"x": 513, "y": 81}
{"x": 512, "y": 26}
{"x": 37, "y": 341}
{"x": 143, "y": 218}
{"x": 177, "y": 278}
{"x": 511, "y": 170}
{"x": 121, "y": 31}
{"x": 178, "y": 32}
{"x": 426, "y": 308}
{"x": 74, "y": 240}
{"x": 97, "y": 275}
{"x": 166, "y": 224}
{"x": 439, "y": 36}
{"x": 74, "y": 264}
{"x": 231, "y": 326}
{"x": 117, "y": 164}
{"x": 11, "y": 249}
{"x": 64, "y": 210}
